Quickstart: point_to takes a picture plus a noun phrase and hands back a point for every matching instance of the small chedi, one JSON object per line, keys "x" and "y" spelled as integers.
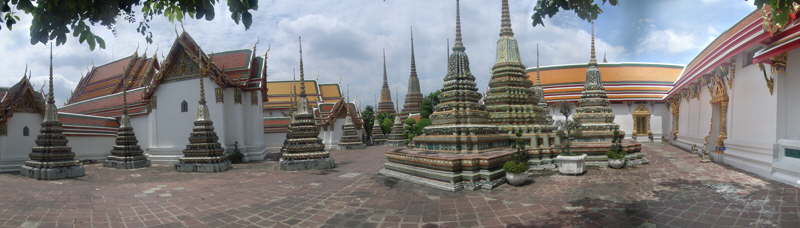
{"x": 544, "y": 141}
{"x": 397, "y": 137}
{"x": 460, "y": 150}
{"x": 303, "y": 149}
{"x": 204, "y": 153}
{"x": 378, "y": 138}
{"x": 413, "y": 95}
{"x": 51, "y": 158}
{"x": 595, "y": 131}
{"x": 126, "y": 153}
{"x": 350, "y": 137}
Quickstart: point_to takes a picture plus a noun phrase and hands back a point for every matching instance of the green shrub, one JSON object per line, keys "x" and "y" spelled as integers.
{"x": 615, "y": 152}
{"x": 514, "y": 166}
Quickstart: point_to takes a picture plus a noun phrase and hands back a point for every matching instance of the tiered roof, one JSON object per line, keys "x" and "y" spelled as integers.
{"x": 20, "y": 97}
{"x": 100, "y": 91}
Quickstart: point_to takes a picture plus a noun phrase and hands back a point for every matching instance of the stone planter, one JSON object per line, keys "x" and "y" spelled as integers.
{"x": 616, "y": 163}
{"x": 571, "y": 165}
{"x": 517, "y": 179}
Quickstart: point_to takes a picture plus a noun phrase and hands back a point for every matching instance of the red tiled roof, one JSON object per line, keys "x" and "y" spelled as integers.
{"x": 107, "y": 79}
{"x": 86, "y": 121}
{"x": 232, "y": 60}
{"x": 100, "y": 106}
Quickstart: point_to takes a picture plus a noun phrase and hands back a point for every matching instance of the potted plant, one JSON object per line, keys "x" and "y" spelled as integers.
{"x": 516, "y": 167}
{"x": 570, "y": 163}
{"x": 616, "y": 155}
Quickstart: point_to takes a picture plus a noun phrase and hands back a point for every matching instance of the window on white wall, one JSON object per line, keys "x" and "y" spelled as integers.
{"x": 26, "y": 131}
{"x": 184, "y": 106}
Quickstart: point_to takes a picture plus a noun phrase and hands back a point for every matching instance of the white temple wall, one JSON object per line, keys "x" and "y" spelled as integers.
{"x": 785, "y": 167}
{"x": 695, "y": 120}
{"x": 171, "y": 127}
{"x": 14, "y": 147}
{"x": 95, "y": 148}
{"x": 253, "y": 127}
{"x": 141, "y": 129}
{"x": 751, "y": 121}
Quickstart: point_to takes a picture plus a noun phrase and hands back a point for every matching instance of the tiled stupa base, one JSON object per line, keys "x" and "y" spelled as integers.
{"x": 53, "y": 173}
{"x": 449, "y": 172}
{"x": 308, "y": 164}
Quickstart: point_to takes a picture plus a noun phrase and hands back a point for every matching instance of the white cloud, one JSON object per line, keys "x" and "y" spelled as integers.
{"x": 342, "y": 39}
{"x": 670, "y": 41}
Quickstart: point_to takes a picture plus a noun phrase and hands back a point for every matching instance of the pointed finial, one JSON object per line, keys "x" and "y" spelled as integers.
{"x": 505, "y": 21}
{"x": 448, "y": 48}
{"x": 302, "y": 77}
{"x": 413, "y": 59}
{"x": 145, "y": 50}
{"x": 50, "y": 98}
{"x": 459, "y": 45}
{"x": 593, "y": 58}
{"x": 538, "y": 73}
{"x": 136, "y": 53}
{"x": 25, "y": 73}
{"x": 385, "y": 77}
{"x": 605, "y": 60}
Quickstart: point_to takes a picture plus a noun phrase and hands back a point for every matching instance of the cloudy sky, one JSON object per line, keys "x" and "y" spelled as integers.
{"x": 342, "y": 39}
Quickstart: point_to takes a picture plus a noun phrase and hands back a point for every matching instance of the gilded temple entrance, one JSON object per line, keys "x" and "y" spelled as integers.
{"x": 641, "y": 121}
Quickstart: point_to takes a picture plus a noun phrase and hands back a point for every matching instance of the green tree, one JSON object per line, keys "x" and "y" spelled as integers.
{"x": 586, "y": 9}
{"x": 53, "y": 20}
{"x": 368, "y": 115}
{"x": 382, "y": 117}
{"x": 429, "y": 102}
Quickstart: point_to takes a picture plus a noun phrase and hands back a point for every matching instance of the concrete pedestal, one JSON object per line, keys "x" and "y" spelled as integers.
{"x": 53, "y": 173}
{"x": 571, "y": 165}
{"x": 310, "y": 164}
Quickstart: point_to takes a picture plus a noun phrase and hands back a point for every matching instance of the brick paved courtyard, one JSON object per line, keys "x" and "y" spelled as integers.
{"x": 675, "y": 190}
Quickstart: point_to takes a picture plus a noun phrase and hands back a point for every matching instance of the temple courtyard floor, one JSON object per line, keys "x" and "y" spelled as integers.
{"x": 674, "y": 190}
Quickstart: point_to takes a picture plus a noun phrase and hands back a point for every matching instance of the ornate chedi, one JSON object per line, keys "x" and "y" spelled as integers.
{"x": 413, "y": 101}
{"x": 385, "y": 104}
{"x": 303, "y": 149}
{"x": 204, "y": 152}
{"x": 350, "y": 137}
{"x": 51, "y": 158}
{"x": 544, "y": 141}
{"x": 510, "y": 102}
{"x": 460, "y": 150}
{"x": 397, "y": 137}
{"x": 378, "y": 137}
{"x": 596, "y": 119}
{"x": 126, "y": 154}
{"x": 594, "y": 111}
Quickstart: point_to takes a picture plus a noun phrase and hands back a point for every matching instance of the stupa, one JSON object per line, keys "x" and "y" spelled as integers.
{"x": 596, "y": 119}
{"x": 385, "y": 104}
{"x": 510, "y": 102}
{"x": 378, "y": 137}
{"x": 544, "y": 141}
{"x": 303, "y": 150}
{"x": 203, "y": 153}
{"x": 461, "y": 149}
{"x": 350, "y": 137}
{"x": 413, "y": 101}
{"x": 397, "y": 137}
{"x": 126, "y": 153}
{"x": 51, "y": 158}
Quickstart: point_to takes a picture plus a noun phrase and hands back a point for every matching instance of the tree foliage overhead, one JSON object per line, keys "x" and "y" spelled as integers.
{"x": 586, "y": 9}
{"x": 781, "y": 12}
{"x": 55, "y": 19}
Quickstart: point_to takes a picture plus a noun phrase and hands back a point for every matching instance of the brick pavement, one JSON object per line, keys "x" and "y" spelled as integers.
{"x": 674, "y": 190}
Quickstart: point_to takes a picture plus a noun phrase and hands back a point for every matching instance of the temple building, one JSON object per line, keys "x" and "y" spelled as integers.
{"x": 161, "y": 93}
{"x": 737, "y": 99}
{"x": 385, "y": 104}
{"x": 21, "y": 113}
{"x": 413, "y": 101}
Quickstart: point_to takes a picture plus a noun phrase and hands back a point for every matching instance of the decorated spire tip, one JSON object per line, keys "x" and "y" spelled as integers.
{"x": 50, "y": 98}
{"x": 538, "y": 73}
{"x": 593, "y": 57}
{"x": 302, "y": 75}
{"x": 413, "y": 58}
{"x": 505, "y": 20}
{"x": 459, "y": 45}
{"x": 385, "y": 77}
